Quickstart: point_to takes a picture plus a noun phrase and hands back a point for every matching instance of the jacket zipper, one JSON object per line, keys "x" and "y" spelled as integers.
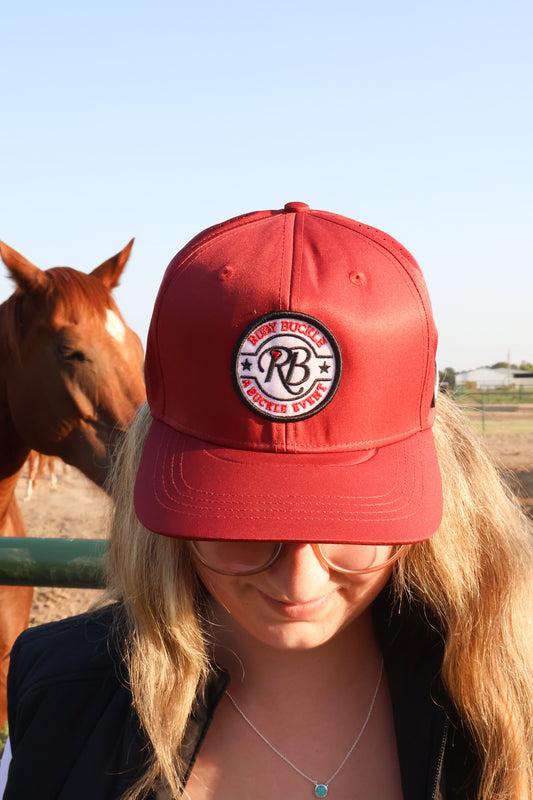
{"x": 440, "y": 760}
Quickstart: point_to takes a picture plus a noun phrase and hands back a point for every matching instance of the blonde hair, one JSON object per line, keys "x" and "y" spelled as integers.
{"x": 475, "y": 577}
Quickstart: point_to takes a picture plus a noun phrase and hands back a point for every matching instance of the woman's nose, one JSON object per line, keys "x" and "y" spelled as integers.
{"x": 298, "y": 575}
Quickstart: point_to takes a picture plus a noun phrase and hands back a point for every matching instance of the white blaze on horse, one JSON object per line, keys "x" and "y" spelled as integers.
{"x": 70, "y": 382}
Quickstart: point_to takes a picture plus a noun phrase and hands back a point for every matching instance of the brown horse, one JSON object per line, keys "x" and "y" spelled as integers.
{"x": 70, "y": 381}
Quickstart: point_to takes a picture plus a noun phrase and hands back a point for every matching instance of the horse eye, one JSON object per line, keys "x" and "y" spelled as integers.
{"x": 72, "y": 355}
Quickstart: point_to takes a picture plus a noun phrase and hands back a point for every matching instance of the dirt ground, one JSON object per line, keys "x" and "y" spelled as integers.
{"x": 78, "y": 509}
{"x": 513, "y": 451}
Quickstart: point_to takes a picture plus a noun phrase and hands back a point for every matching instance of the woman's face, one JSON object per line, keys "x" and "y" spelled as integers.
{"x": 297, "y": 603}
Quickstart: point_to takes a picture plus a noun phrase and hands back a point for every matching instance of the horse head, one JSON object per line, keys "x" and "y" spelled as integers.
{"x": 71, "y": 369}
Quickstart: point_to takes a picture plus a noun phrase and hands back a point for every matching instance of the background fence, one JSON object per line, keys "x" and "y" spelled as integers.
{"x": 497, "y": 411}
{"x": 65, "y": 563}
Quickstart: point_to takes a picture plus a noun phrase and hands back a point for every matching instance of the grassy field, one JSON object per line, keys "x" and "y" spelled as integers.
{"x": 499, "y": 423}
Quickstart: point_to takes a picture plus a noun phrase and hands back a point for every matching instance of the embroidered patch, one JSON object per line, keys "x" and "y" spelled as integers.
{"x": 287, "y": 366}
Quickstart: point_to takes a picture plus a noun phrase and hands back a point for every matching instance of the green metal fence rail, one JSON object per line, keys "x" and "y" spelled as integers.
{"x": 67, "y": 563}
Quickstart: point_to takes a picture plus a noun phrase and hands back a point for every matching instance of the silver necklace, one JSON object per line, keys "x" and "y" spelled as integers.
{"x": 321, "y": 789}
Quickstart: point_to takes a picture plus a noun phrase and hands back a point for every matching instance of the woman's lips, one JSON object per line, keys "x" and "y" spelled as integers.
{"x": 298, "y": 611}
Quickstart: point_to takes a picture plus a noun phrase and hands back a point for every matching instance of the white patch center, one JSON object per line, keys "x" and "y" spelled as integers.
{"x": 115, "y": 326}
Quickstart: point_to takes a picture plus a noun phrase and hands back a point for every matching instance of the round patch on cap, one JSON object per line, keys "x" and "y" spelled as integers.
{"x": 286, "y": 366}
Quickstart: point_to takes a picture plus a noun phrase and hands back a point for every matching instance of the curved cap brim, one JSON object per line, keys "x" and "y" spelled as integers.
{"x": 192, "y": 489}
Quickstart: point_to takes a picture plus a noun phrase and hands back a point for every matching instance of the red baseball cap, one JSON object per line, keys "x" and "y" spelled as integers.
{"x": 290, "y": 372}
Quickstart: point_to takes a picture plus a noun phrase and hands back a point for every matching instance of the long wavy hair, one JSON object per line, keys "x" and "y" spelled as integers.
{"x": 474, "y": 576}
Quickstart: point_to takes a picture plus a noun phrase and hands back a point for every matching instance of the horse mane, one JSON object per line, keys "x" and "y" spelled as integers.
{"x": 68, "y": 292}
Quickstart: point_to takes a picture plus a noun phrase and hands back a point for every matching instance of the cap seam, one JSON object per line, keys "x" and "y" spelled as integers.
{"x": 295, "y": 293}
{"x": 396, "y": 491}
{"x": 366, "y": 445}
{"x": 217, "y": 231}
{"x": 372, "y": 508}
{"x": 397, "y": 255}
{"x": 359, "y": 227}
{"x": 282, "y": 428}
{"x": 415, "y": 292}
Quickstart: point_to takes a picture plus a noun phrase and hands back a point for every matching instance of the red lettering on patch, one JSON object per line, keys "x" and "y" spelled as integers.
{"x": 311, "y": 400}
{"x": 260, "y": 333}
{"x": 303, "y": 328}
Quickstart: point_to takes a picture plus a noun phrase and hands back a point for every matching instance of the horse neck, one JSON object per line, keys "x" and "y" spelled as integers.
{"x": 8, "y": 314}
{"x": 7, "y": 334}
{"x": 7, "y": 500}
{"x": 13, "y": 451}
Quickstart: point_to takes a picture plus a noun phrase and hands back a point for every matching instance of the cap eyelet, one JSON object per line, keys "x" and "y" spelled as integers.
{"x": 357, "y": 278}
{"x": 225, "y": 273}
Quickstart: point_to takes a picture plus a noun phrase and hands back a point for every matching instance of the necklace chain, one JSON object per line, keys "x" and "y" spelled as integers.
{"x": 323, "y": 787}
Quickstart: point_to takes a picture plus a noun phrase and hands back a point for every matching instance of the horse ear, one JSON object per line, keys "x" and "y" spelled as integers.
{"x": 26, "y": 275}
{"x": 110, "y": 271}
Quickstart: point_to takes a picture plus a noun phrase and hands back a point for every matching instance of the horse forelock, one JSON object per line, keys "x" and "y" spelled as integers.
{"x": 76, "y": 295}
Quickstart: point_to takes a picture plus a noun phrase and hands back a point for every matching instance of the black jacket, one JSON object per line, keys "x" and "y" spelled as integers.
{"x": 74, "y": 735}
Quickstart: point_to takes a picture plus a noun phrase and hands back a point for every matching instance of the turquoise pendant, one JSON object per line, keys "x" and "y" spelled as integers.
{"x": 321, "y": 790}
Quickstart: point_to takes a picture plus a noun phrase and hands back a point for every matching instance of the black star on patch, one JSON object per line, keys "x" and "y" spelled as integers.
{"x": 324, "y": 367}
{"x": 246, "y": 364}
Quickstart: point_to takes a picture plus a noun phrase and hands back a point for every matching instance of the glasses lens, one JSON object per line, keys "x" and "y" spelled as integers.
{"x": 359, "y": 557}
{"x": 235, "y": 558}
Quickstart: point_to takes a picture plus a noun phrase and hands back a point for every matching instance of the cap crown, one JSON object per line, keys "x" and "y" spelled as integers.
{"x": 356, "y": 281}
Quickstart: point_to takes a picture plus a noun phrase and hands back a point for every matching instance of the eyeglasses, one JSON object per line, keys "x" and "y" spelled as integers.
{"x": 249, "y": 558}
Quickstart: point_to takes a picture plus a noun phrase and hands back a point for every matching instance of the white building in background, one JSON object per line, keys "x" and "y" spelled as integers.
{"x": 523, "y": 379}
{"x": 486, "y": 378}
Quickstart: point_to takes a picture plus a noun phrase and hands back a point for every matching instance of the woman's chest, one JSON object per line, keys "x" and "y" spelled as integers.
{"x": 235, "y": 762}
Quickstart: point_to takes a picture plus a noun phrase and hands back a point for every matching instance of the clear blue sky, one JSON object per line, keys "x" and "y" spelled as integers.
{"x": 157, "y": 119}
